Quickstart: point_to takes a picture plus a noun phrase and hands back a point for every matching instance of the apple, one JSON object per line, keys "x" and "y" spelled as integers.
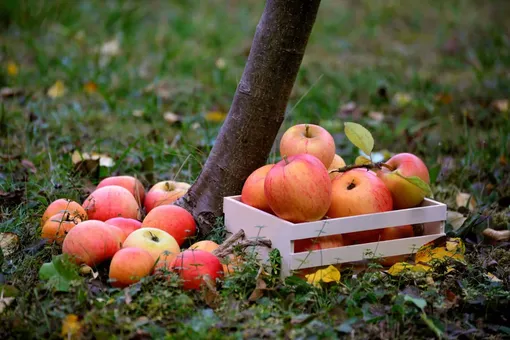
{"x": 318, "y": 243}
{"x": 57, "y": 226}
{"x": 298, "y": 189}
{"x": 338, "y": 162}
{"x": 194, "y": 265}
{"x": 205, "y": 245}
{"x": 405, "y": 194}
{"x": 61, "y": 205}
{"x": 175, "y": 220}
{"x": 128, "y": 225}
{"x": 132, "y": 184}
{"x": 311, "y": 139}
{"x": 155, "y": 241}
{"x": 358, "y": 192}
{"x": 109, "y": 202}
{"x": 253, "y": 189}
{"x": 118, "y": 232}
{"x": 129, "y": 265}
{"x": 90, "y": 242}
{"x": 163, "y": 193}
{"x": 393, "y": 233}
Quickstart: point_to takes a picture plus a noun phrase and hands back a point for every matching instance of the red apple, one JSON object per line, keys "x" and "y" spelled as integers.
{"x": 311, "y": 139}
{"x": 128, "y": 225}
{"x": 405, "y": 194}
{"x": 119, "y": 233}
{"x": 175, "y": 220}
{"x": 61, "y": 205}
{"x": 338, "y": 162}
{"x": 132, "y": 184}
{"x": 318, "y": 243}
{"x": 194, "y": 265}
{"x": 358, "y": 192}
{"x": 109, "y": 202}
{"x": 253, "y": 189}
{"x": 90, "y": 242}
{"x": 298, "y": 189}
{"x": 56, "y": 227}
{"x": 129, "y": 265}
{"x": 157, "y": 242}
{"x": 164, "y": 193}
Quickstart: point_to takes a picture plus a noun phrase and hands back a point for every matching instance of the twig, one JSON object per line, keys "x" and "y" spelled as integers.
{"x": 226, "y": 248}
{"x": 229, "y": 242}
{"x": 370, "y": 166}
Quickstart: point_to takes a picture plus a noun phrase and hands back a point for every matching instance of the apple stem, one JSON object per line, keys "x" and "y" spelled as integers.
{"x": 307, "y": 131}
{"x": 154, "y": 237}
{"x": 351, "y": 186}
{"x": 285, "y": 159}
{"x": 370, "y": 166}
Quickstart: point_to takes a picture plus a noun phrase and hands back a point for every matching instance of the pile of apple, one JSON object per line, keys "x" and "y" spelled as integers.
{"x": 302, "y": 188}
{"x": 108, "y": 227}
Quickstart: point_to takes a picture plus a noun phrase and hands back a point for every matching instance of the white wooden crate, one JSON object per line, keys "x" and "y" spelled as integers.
{"x": 259, "y": 224}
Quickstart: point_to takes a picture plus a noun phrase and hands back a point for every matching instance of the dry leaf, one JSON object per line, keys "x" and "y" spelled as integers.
{"x": 502, "y": 160}
{"x": 493, "y": 278}
{"x": 57, "y": 90}
{"x": 5, "y": 302}
{"x": 172, "y": 118}
{"x": 400, "y": 267}
{"x": 428, "y": 254}
{"x": 376, "y": 116}
{"x": 104, "y": 160}
{"x": 501, "y": 105}
{"x": 9, "y": 92}
{"x": 258, "y": 292}
{"x": 402, "y": 99}
{"x": 329, "y": 274}
{"x": 456, "y": 219}
{"x": 29, "y": 166}
{"x": 444, "y": 98}
{"x": 195, "y": 126}
{"x": 9, "y": 243}
{"x": 110, "y": 48}
{"x": 90, "y": 87}
{"x": 71, "y": 327}
{"x": 215, "y": 116}
{"x": 138, "y": 113}
{"x": 211, "y": 295}
{"x": 221, "y": 63}
{"x": 462, "y": 200}
{"x": 12, "y": 68}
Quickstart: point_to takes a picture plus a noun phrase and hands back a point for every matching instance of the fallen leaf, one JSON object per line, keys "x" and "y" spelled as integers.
{"x": 5, "y": 302}
{"x": 215, "y": 116}
{"x": 211, "y": 295}
{"x": 455, "y": 219}
{"x": 258, "y": 292}
{"x": 90, "y": 87}
{"x": 9, "y": 243}
{"x": 329, "y": 274}
{"x": 12, "y": 68}
{"x": 428, "y": 254}
{"x": 502, "y": 160}
{"x": 172, "y": 118}
{"x": 400, "y": 267}
{"x": 444, "y": 98}
{"x": 465, "y": 200}
{"x": 71, "y": 327}
{"x": 57, "y": 90}
{"x": 87, "y": 270}
{"x": 138, "y": 113}
{"x": 9, "y": 92}
{"x": 110, "y": 48}
{"x": 29, "y": 166}
{"x": 376, "y": 116}
{"x": 104, "y": 159}
{"x": 402, "y": 99}
{"x": 501, "y": 105}
{"x": 59, "y": 273}
{"x": 493, "y": 278}
{"x": 195, "y": 126}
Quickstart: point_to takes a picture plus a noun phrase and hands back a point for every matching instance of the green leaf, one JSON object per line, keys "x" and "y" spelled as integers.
{"x": 418, "y": 302}
{"x": 418, "y": 182}
{"x": 359, "y": 136}
{"x": 433, "y": 325}
{"x": 362, "y": 160}
{"x": 59, "y": 273}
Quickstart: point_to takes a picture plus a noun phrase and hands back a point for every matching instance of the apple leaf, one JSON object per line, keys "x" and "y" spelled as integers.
{"x": 359, "y": 136}
{"x": 59, "y": 273}
{"x": 418, "y": 182}
{"x": 362, "y": 160}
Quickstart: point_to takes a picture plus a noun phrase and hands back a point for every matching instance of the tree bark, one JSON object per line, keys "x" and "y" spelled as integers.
{"x": 258, "y": 108}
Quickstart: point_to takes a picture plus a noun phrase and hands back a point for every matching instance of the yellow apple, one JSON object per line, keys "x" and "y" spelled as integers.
{"x": 155, "y": 241}
{"x": 337, "y": 163}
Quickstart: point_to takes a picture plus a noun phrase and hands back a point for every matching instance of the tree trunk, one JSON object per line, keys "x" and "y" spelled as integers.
{"x": 258, "y": 108}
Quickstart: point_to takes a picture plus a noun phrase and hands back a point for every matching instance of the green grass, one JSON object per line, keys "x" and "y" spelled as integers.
{"x": 364, "y": 52}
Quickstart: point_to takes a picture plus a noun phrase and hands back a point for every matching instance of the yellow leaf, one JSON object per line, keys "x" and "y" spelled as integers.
{"x": 329, "y": 274}
{"x": 9, "y": 243}
{"x": 104, "y": 160}
{"x": 400, "y": 267}
{"x": 359, "y": 136}
{"x": 90, "y": 87}
{"x": 493, "y": 277}
{"x": 456, "y": 245}
{"x": 215, "y": 116}
{"x": 362, "y": 160}
{"x": 428, "y": 254}
{"x": 12, "y": 68}
{"x": 71, "y": 327}
{"x": 402, "y": 99}
{"x": 57, "y": 90}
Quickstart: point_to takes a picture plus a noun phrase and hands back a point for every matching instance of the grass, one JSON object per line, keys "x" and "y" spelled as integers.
{"x": 448, "y": 61}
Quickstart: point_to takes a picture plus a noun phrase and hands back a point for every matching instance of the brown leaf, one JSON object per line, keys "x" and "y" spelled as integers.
{"x": 376, "y": 116}
{"x": 465, "y": 200}
{"x": 211, "y": 295}
{"x": 501, "y": 105}
{"x": 8, "y": 92}
{"x": 9, "y": 243}
{"x": 444, "y": 98}
{"x": 29, "y": 166}
{"x": 258, "y": 292}
{"x": 172, "y": 118}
